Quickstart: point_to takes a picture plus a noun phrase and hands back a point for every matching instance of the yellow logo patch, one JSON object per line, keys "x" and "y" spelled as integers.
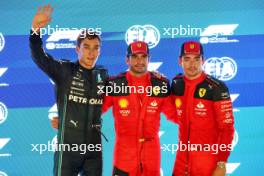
{"x": 123, "y": 103}
{"x": 178, "y": 102}
{"x": 202, "y": 92}
{"x": 156, "y": 90}
{"x": 192, "y": 46}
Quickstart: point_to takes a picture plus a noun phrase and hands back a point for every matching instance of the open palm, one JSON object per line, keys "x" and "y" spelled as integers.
{"x": 42, "y": 17}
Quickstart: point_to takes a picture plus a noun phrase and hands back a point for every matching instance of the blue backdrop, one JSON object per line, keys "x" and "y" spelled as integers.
{"x": 232, "y": 34}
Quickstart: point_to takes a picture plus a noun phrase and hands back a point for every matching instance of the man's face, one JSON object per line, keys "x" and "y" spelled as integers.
{"x": 88, "y": 52}
{"x": 138, "y": 63}
{"x": 192, "y": 65}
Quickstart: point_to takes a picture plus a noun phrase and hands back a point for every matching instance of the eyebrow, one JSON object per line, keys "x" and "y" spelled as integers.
{"x": 90, "y": 45}
{"x": 134, "y": 55}
{"x": 196, "y": 57}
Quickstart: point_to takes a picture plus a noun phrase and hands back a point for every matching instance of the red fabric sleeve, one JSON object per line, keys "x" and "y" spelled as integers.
{"x": 225, "y": 121}
{"x": 169, "y": 109}
{"x": 108, "y": 102}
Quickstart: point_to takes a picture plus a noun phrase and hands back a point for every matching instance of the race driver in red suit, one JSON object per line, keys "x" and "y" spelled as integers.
{"x": 137, "y": 115}
{"x": 206, "y": 117}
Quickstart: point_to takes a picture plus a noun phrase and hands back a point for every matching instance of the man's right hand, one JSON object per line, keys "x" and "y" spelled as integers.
{"x": 42, "y": 17}
{"x": 55, "y": 122}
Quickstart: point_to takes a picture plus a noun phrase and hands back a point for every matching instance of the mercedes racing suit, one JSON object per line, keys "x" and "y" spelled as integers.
{"x": 206, "y": 120}
{"x": 137, "y": 122}
{"x": 79, "y": 108}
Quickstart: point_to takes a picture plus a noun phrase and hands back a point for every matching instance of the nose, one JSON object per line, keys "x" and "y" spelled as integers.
{"x": 91, "y": 52}
{"x": 192, "y": 63}
{"x": 141, "y": 60}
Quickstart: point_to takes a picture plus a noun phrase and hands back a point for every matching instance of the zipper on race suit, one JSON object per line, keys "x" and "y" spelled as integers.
{"x": 187, "y": 156}
{"x": 188, "y": 115}
{"x": 141, "y": 140}
{"x": 141, "y": 147}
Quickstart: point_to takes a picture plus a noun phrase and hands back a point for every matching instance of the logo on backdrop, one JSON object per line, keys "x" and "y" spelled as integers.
{"x": 235, "y": 140}
{"x": 61, "y": 39}
{"x": 147, "y": 33}
{"x": 53, "y": 112}
{"x": 213, "y": 33}
{"x": 3, "y": 112}
{"x": 3, "y": 143}
{"x": 2, "y": 72}
{"x": 2, "y": 41}
{"x": 224, "y": 68}
{"x": 68, "y": 37}
{"x": 3, "y": 173}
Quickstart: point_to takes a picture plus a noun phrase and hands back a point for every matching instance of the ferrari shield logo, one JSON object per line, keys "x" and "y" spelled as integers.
{"x": 202, "y": 92}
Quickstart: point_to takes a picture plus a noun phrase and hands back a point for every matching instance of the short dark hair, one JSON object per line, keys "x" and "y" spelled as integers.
{"x": 90, "y": 35}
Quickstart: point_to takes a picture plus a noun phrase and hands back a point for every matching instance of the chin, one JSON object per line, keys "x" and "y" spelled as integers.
{"x": 140, "y": 71}
{"x": 90, "y": 63}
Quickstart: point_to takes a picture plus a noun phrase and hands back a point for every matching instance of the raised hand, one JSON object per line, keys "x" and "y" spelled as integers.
{"x": 42, "y": 17}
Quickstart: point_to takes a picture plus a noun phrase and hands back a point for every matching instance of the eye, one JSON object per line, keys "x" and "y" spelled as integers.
{"x": 186, "y": 59}
{"x": 133, "y": 56}
{"x": 144, "y": 56}
{"x": 197, "y": 59}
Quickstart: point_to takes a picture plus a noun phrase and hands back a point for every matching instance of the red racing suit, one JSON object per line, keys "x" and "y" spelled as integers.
{"x": 137, "y": 122}
{"x": 206, "y": 118}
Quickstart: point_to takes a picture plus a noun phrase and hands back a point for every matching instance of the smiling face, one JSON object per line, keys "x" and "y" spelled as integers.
{"x": 88, "y": 52}
{"x": 192, "y": 65}
{"x": 138, "y": 63}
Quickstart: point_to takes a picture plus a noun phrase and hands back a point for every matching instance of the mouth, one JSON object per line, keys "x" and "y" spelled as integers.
{"x": 139, "y": 66}
{"x": 90, "y": 59}
{"x": 192, "y": 69}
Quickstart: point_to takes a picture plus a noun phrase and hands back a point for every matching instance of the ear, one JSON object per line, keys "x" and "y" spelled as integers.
{"x": 127, "y": 60}
{"x": 77, "y": 49}
{"x": 99, "y": 50}
{"x": 180, "y": 61}
{"x": 149, "y": 58}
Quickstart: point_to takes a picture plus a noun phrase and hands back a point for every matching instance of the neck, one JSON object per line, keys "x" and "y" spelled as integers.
{"x": 137, "y": 74}
{"x": 193, "y": 77}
